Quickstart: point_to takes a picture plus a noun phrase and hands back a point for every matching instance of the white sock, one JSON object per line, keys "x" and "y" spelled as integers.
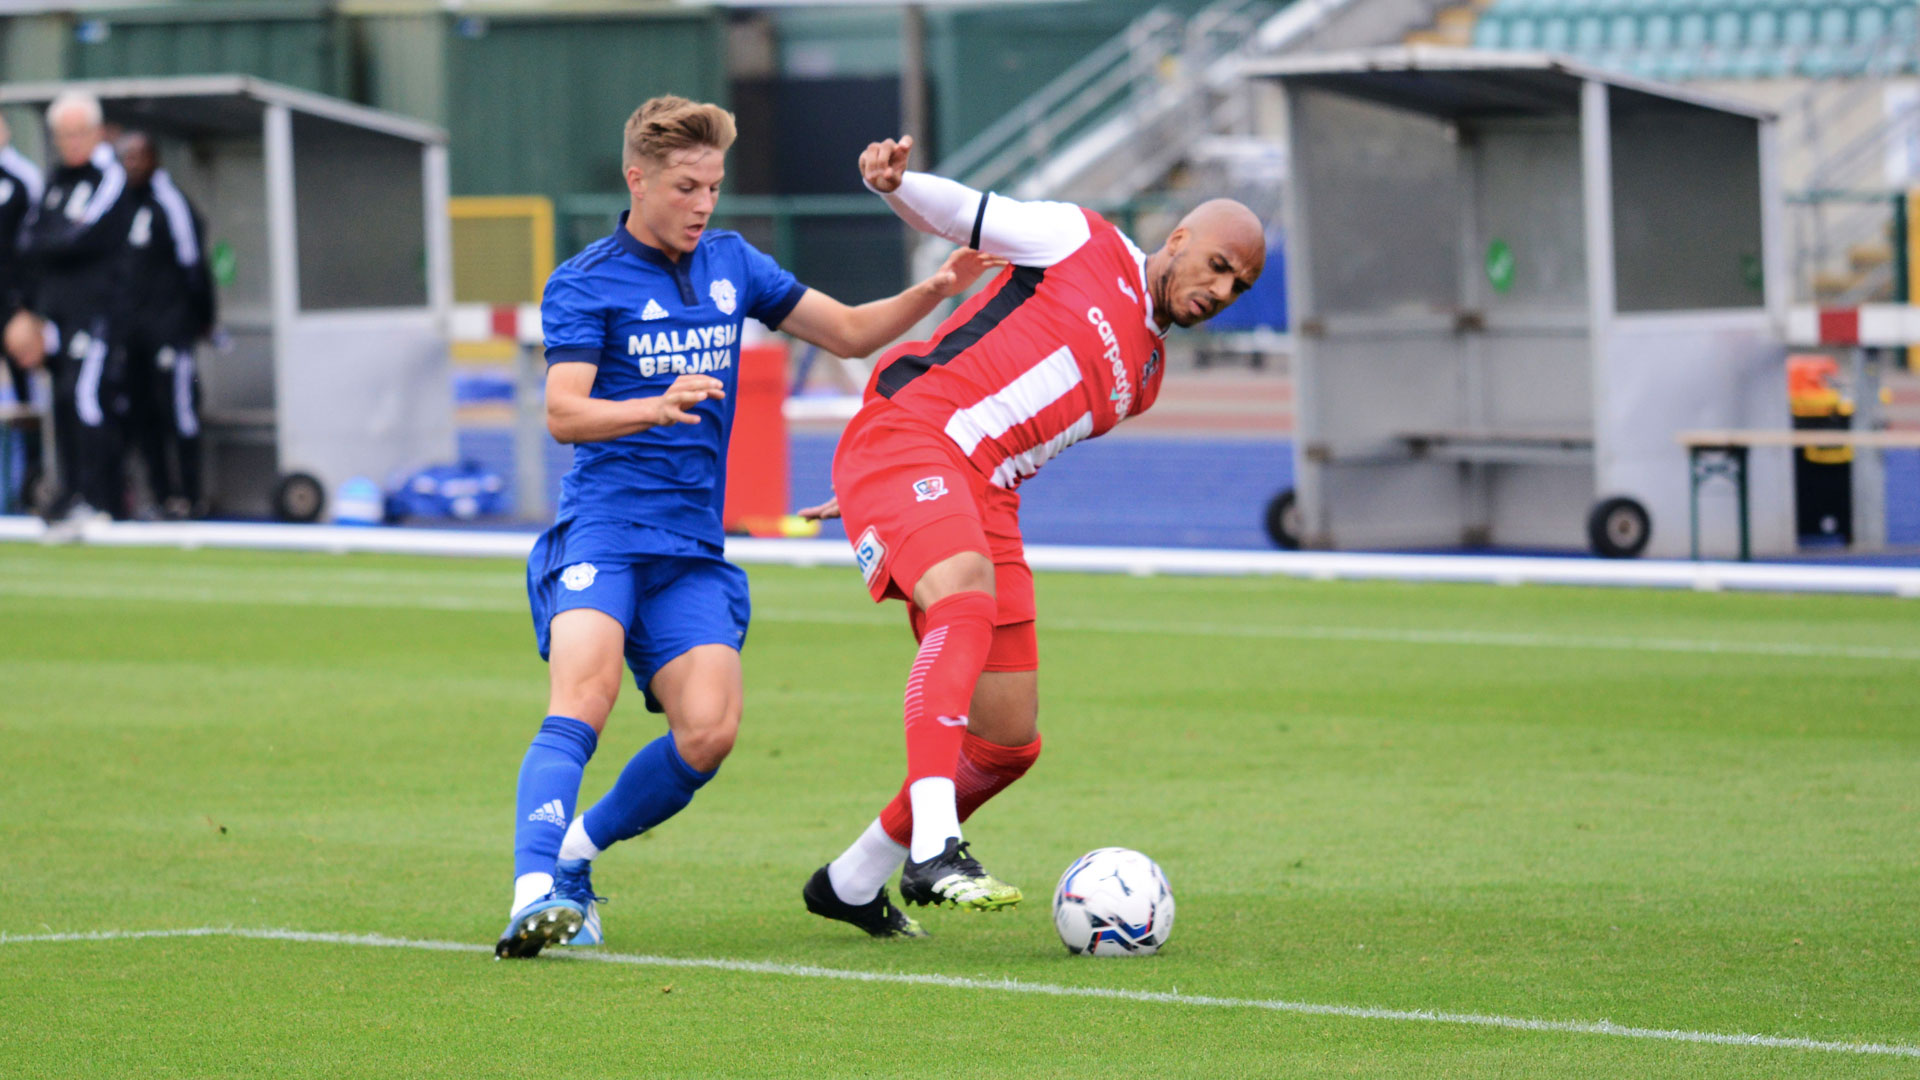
{"x": 576, "y": 845}
{"x": 862, "y": 870}
{"x": 935, "y": 816}
{"x": 529, "y": 887}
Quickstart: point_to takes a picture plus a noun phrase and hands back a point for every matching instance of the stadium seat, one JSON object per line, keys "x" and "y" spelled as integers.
{"x": 1589, "y": 35}
{"x": 1555, "y": 33}
{"x": 1690, "y": 33}
{"x": 1656, "y": 33}
{"x": 1796, "y": 28}
{"x": 1623, "y": 33}
{"x": 1726, "y": 39}
{"x": 1726, "y": 32}
{"x": 1681, "y": 65}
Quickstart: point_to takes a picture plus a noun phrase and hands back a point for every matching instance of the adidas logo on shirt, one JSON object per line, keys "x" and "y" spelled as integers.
{"x": 652, "y": 311}
{"x": 552, "y": 812}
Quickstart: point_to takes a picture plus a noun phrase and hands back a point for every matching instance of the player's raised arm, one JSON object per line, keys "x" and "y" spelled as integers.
{"x": 1024, "y": 233}
{"x": 857, "y": 331}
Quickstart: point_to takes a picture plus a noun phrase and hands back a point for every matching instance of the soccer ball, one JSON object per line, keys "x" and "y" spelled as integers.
{"x": 1113, "y": 902}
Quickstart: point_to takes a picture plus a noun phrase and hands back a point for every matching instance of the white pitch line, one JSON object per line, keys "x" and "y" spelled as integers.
{"x": 269, "y": 594}
{"x": 1012, "y": 986}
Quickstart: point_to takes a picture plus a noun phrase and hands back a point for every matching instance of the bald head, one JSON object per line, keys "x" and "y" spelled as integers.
{"x": 1214, "y": 254}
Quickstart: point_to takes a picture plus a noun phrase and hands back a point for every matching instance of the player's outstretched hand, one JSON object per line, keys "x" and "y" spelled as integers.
{"x": 828, "y": 509}
{"x": 882, "y": 164}
{"x": 686, "y": 392}
{"x": 961, "y": 270}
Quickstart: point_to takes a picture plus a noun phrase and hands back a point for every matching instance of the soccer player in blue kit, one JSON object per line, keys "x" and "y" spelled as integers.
{"x": 642, "y": 337}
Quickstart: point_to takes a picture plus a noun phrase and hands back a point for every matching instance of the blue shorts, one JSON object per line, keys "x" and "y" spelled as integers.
{"x": 668, "y": 603}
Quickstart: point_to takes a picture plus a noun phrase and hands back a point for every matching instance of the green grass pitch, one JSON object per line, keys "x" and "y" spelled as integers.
{"x": 1696, "y": 812}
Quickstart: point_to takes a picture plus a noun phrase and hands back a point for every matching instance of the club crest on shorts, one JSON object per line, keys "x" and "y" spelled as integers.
{"x": 578, "y": 576}
{"x": 723, "y": 295}
{"x": 869, "y": 554}
{"x": 929, "y": 489}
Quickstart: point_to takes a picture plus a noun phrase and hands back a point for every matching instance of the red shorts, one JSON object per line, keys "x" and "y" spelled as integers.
{"x": 910, "y": 499}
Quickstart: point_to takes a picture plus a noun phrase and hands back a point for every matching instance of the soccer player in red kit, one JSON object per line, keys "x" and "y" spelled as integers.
{"x": 1064, "y": 346}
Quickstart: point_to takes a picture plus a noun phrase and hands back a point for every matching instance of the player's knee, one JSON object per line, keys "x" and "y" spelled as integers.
{"x": 705, "y": 741}
{"x": 588, "y": 700}
{"x": 968, "y": 571}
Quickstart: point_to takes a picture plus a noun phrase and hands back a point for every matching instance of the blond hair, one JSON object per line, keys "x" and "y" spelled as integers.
{"x": 665, "y": 125}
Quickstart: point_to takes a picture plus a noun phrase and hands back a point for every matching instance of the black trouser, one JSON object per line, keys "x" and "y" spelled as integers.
{"x": 164, "y": 421}
{"x": 29, "y": 476}
{"x": 89, "y": 413}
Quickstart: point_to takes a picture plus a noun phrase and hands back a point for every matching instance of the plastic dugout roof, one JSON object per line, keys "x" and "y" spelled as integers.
{"x": 1453, "y": 83}
{"x": 217, "y": 105}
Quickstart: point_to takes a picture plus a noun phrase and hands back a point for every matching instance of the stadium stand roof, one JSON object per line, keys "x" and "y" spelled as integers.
{"x": 162, "y": 102}
{"x": 1453, "y": 82}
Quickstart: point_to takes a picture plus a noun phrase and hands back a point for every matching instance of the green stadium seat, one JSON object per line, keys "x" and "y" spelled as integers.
{"x": 1720, "y": 64}
{"x": 1901, "y": 23}
{"x": 1763, "y": 30}
{"x": 1623, "y": 33}
{"x": 1796, "y": 28}
{"x": 1589, "y": 35}
{"x": 1834, "y": 28}
{"x": 1682, "y": 65}
{"x": 1656, "y": 33}
{"x": 1556, "y": 33}
{"x": 1523, "y": 34}
{"x": 1490, "y": 32}
{"x": 1727, "y": 31}
{"x": 1690, "y": 33}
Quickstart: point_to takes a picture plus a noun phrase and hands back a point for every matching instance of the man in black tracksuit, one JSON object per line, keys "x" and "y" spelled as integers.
{"x": 74, "y": 243}
{"x": 20, "y": 186}
{"x": 169, "y": 309}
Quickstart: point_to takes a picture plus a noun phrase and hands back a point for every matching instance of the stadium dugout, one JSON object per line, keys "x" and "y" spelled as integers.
{"x": 1515, "y": 279}
{"x": 328, "y": 231}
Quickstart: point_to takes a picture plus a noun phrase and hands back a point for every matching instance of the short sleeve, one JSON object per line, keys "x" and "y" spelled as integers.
{"x": 772, "y": 290}
{"x": 572, "y": 320}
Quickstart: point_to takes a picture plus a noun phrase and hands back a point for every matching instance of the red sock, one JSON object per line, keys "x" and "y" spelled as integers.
{"x": 953, "y": 651}
{"x": 986, "y": 769}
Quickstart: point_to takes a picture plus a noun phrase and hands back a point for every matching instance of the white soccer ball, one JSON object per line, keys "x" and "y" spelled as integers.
{"x": 1113, "y": 902}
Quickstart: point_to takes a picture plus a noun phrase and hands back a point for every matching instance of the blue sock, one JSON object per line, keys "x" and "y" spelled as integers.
{"x": 549, "y": 785}
{"x": 653, "y": 787}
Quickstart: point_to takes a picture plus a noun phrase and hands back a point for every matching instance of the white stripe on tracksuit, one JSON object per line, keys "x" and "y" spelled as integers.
{"x": 86, "y": 389}
{"x": 185, "y": 419}
{"x": 186, "y": 243}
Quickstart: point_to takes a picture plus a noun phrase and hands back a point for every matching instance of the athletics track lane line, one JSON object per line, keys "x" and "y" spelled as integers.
{"x": 954, "y": 982}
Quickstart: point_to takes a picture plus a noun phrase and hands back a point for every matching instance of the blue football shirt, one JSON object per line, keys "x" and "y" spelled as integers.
{"x": 645, "y": 320}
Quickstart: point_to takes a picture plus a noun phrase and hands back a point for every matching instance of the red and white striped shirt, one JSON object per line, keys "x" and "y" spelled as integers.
{"x": 1061, "y": 348}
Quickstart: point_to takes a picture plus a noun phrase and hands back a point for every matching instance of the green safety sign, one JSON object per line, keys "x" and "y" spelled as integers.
{"x": 1500, "y": 266}
{"x": 223, "y": 263}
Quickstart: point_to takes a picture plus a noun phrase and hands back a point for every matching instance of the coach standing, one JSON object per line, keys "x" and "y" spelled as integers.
{"x": 20, "y": 186}
{"x": 74, "y": 244}
{"x": 169, "y": 309}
